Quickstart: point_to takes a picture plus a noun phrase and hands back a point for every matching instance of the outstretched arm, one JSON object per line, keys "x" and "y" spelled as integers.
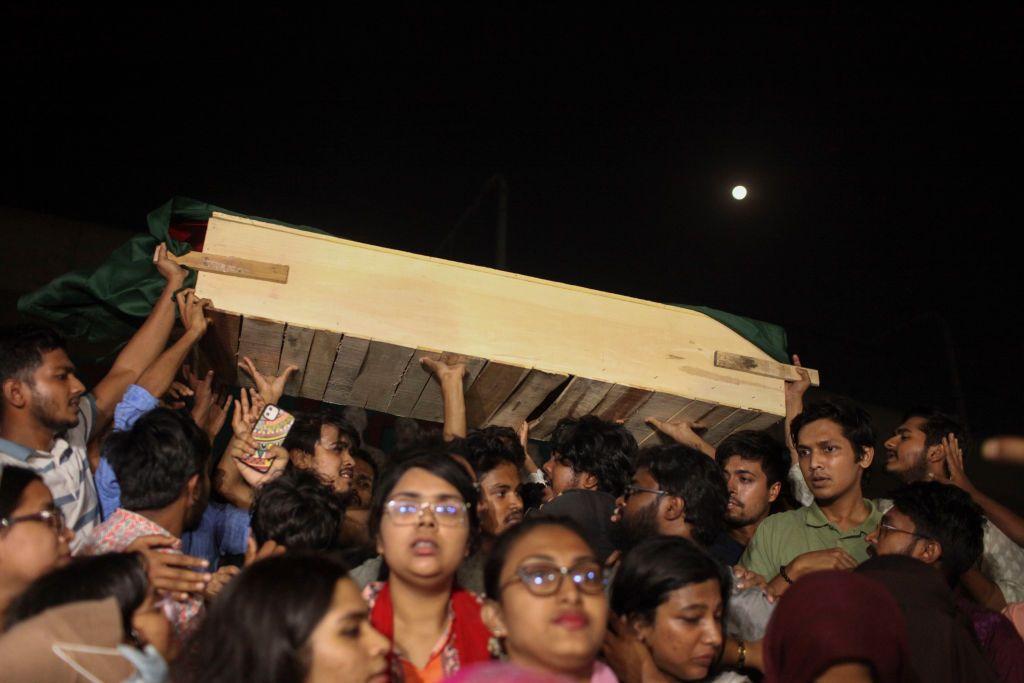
{"x": 452, "y": 394}
{"x": 684, "y": 433}
{"x": 144, "y": 347}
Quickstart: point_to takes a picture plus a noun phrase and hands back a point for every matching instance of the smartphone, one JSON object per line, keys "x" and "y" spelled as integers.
{"x": 269, "y": 431}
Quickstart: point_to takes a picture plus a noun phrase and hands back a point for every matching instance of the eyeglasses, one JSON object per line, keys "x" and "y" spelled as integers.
{"x": 52, "y": 518}
{"x": 884, "y": 529}
{"x": 633, "y": 489}
{"x": 544, "y": 580}
{"x": 405, "y": 512}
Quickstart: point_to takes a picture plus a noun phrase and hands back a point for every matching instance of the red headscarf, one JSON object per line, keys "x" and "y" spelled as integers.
{"x": 833, "y": 617}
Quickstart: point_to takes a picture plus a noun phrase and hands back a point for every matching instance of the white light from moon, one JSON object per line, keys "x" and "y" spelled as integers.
{"x": 739, "y": 192}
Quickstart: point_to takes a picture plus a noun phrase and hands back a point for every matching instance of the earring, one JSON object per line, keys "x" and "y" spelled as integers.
{"x": 495, "y": 648}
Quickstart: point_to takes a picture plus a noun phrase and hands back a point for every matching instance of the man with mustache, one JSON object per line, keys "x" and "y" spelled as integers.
{"x": 46, "y": 416}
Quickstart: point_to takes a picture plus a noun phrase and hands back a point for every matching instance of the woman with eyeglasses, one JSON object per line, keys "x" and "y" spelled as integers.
{"x": 423, "y": 521}
{"x": 671, "y": 596}
{"x": 546, "y": 603}
{"x": 33, "y": 538}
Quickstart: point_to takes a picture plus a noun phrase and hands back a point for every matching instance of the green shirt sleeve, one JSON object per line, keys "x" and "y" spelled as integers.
{"x": 759, "y": 556}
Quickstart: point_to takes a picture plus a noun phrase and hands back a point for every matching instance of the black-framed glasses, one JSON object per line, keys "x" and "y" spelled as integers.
{"x": 405, "y": 511}
{"x": 52, "y": 518}
{"x": 633, "y": 489}
{"x": 543, "y": 579}
{"x": 884, "y": 529}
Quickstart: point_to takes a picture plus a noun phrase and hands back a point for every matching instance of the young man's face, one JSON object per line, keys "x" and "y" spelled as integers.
{"x": 750, "y": 497}
{"x": 906, "y": 451}
{"x": 897, "y": 535}
{"x": 332, "y": 458}
{"x": 828, "y": 460}
{"x": 54, "y": 392}
{"x": 640, "y": 512}
{"x": 362, "y": 486}
{"x": 501, "y": 506}
{"x": 561, "y": 476}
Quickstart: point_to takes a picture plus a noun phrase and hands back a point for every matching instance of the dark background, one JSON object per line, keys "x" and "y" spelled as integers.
{"x": 881, "y": 150}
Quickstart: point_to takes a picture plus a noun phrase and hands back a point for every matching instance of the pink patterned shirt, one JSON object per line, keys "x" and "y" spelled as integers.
{"x": 116, "y": 534}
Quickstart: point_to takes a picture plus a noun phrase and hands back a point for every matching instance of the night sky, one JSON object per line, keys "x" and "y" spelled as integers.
{"x": 882, "y": 153}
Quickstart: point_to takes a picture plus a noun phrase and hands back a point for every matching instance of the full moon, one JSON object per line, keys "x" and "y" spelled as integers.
{"x": 739, "y": 192}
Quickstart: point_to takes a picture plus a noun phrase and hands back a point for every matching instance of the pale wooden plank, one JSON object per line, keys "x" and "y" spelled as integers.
{"x": 379, "y": 375}
{"x": 416, "y": 301}
{"x": 665, "y": 407}
{"x": 295, "y": 351}
{"x": 429, "y": 405}
{"x": 491, "y": 389}
{"x": 348, "y": 362}
{"x": 322, "y": 352}
{"x": 621, "y": 402}
{"x": 579, "y": 398}
{"x": 763, "y": 366}
{"x": 261, "y": 341}
{"x": 528, "y": 395}
{"x": 411, "y": 386}
{"x": 219, "y": 346}
{"x": 727, "y": 426}
{"x": 235, "y": 267}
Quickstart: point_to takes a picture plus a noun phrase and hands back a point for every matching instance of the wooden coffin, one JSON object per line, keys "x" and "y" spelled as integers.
{"x": 356, "y": 318}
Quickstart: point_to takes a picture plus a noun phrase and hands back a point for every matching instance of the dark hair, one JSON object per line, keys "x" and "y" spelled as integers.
{"x": 657, "y": 566}
{"x": 13, "y": 482}
{"x": 757, "y": 447}
{"x": 437, "y": 463}
{"x": 594, "y": 446}
{"x": 499, "y": 553}
{"x": 258, "y": 628}
{"x": 937, "y": 426}
{"x": 852, "y": 419}
{"x": 299, "y": 511}
{"x": 155, "y": 459}
{"x": 694, "y": 477}
{"x": 305, "y": 432}
{"x": 363, "y": 455}
{"x": 948, "y": 515}
{"x": 490, "y": 447}
{"x": 112, "y": 575}
{"x": 22, "y": 348}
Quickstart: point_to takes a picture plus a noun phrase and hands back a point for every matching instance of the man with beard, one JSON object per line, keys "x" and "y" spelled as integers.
{"x": 755, "y": 467}
{"x": 928, "y": 446}
{"x": 942, "y": 527}
{"x": 497, "y": 458}
{"x": 675, "y": 491}
{"x": 47, "y": 418}
{"x": 161, "y": 465}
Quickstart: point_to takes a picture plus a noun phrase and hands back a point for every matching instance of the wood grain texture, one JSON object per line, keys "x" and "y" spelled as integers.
{"x": 235, "y": 267}
{"x": 347, "y": 364}
{"x": 295, "y": 351}
{"x": 261, "y": 341}
{"x": 322, "y": 352}
{"x": 492, "y": 387}
{"x": 665, "y": 407}
{"x": 416, "y": 301}
{"x": 219, "y": 346}
{"x": 530, "y": 393}
{"x": 411, "y": 386}
{"x": 429, "y": 406}
{"x": 579, "y": 398}
{"x": 727, "y": 426}
{"x": 763, "y": 366}
{"x": 380, "y": 375}
{"x": 621, "y": 402}
{"x": 759, "y": 422}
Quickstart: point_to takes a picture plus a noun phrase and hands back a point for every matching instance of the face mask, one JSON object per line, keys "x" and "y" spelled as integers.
{"x": 150, "y": 666}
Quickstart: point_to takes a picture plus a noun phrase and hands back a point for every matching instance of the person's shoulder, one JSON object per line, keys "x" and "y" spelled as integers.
{"x": 784, "y": 519}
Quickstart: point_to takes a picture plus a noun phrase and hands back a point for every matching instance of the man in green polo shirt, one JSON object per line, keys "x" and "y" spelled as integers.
{"x": 834, "y": 444}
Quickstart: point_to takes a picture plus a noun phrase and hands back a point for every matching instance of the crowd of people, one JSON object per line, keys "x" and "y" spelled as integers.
{"x": 145, "y": 536}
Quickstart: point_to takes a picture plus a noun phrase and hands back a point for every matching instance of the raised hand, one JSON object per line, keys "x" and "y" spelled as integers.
{"x": 192, "y": 310}
{"x": 219, "y": 580}
{"x": 254, "y": 554}
{"x": 169, "y": 571}
{"x": 795, "y": 390}
{"x": 171, "y": 271}
{"x": 270, "y": 389}
{"x": 202, "y": 390}
{"x": 954, "y": 456}
{"x": 217, "y": 416}
{"x": 445, "y": 373}
{"x": 682, "y": 432}
{"x": 175, "y": 396}
{"x": 276, "y": 458}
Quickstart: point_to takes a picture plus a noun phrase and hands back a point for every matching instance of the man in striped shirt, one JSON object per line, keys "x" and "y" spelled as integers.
{"x": 46, "y": 416}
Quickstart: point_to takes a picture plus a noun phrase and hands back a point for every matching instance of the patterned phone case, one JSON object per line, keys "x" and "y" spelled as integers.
{"x": 270, "y": 430}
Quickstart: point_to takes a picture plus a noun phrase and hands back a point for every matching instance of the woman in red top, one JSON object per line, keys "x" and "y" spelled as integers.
{"x": 423, "y": 520}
